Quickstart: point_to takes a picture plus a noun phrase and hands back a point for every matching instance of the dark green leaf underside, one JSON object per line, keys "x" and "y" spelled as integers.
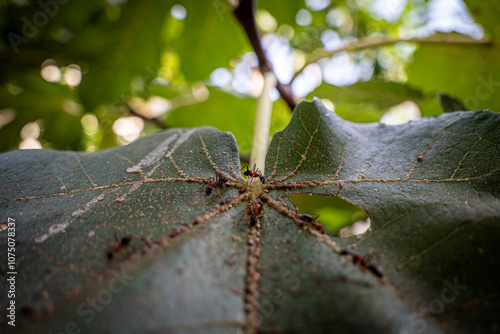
{"x": 431, "y": 189}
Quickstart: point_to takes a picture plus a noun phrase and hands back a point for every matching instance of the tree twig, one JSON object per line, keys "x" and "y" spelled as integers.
{"x": 370, "y": 42}
{"x": 245, "y": 13}
{"x": 155, "y": 120}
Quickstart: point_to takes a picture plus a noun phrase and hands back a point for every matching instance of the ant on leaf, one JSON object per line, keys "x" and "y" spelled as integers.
{"x": 363, "y": 262}
{"x": 219, "y": 182}
{"x": 312, "y": 220}
{"x": 118, "y": 245}
{"x": 254, "y": 173}
{"x": 254, "y": 210}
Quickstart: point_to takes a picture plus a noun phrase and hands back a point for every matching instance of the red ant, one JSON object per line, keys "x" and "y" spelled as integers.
{"x": 254, "y": 210}
{"x": 364, "y": 264}
{"x": 224, "y": 201}
{"x": 312, "y": 220}
{"x": 118, "y": 245}
{"x": 219, "y": 182}
{"x": 254, "y": 173}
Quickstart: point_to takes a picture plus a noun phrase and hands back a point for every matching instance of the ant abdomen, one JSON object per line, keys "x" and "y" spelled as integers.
{"x": 253, "y": 220}
{"x": 306, "y": 217}
{"x": 376, "y": 270}
{"x": 208, "y": 190}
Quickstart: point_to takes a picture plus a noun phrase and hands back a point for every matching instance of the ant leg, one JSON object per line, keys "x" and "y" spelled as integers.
{"x": 218, "y": 193}
{"x": 249, "y": 180}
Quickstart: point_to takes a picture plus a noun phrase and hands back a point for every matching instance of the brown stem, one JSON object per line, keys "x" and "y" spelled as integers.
{"x": 245, "y": 13}
{"x": 373, "y": 42}
{"x": 155, "y": 120}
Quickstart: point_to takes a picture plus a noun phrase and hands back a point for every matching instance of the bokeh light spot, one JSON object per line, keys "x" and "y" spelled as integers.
{"x": 51, "y": 73}
{"x": 6, "y": 116}
{"x": 30, "y": 144}
{"x": 402, "y": 113}
{"x": 316, "y": 5}
{"x": 303, "y": 18}
{"x": 73, "y": 75}
{"x": 221, "y": 77}
{"x": 128, "y": 129}
{"x": 30, "y": 130}
{"x": 90, "y": 124}
{"x": 178, "y": 12}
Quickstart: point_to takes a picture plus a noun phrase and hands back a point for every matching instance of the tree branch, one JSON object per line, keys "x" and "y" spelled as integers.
{"x": 370, "y": 42}
{"x": 245, "y": 13}
{"x": 155, "y": 120}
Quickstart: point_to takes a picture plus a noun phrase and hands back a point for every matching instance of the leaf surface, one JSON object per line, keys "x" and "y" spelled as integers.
{"x": 431, "y": 190}
{"x": 195, "y": 265}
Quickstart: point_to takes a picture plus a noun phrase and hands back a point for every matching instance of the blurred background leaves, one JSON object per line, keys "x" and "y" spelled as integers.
{"x": 87, "y": 75}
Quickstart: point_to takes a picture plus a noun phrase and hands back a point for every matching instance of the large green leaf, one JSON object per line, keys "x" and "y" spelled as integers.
{"x": 39, "y": 100}
{"x": 117, "y": 52}
{"x": 228, "y": 112}
{"x": 367, "y": 101}
{"x": 470, "y": 73}
{"x": 210, "y": 40}
{"x": 486, "y": 13}
{"x": 380, "y": 94}
{"x": 284, "y": 11}
{"x": 430, "y": 188}
{"x": 475, "y": 83}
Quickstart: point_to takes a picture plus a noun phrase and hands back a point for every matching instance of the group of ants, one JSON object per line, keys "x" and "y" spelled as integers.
{"x": 255, "y": 211}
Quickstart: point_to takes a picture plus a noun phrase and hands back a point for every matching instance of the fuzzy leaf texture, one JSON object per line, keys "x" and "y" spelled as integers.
{"x": 430, "y": 187}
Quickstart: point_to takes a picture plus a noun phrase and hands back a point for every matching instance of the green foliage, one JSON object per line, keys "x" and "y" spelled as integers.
{"x": 449, "y": 103}
{"x": 475, "y": 83}
{"x": 335, "y": 213}
{"x": 135, "y": 51}
{"x": 231, "y": 108}
{"x": 119, "y": 51}
{"x": 430, "y": 187}
{"x": 476, "y": 78}
{"x": 198, "y": 47}
{"x": 41, "y": 101}
{"x": 366, "y": 101}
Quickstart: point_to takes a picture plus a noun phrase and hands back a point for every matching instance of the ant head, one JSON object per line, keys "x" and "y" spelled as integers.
{"x": 262, "y": 179}
{"x": 247, "y": 171}
{"x": 126, "y": 239}
{"x": 224, "y": 179}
